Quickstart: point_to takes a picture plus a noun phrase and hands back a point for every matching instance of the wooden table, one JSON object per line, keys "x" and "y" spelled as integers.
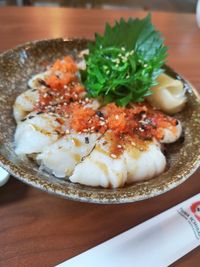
{"x": 37, "y": 229}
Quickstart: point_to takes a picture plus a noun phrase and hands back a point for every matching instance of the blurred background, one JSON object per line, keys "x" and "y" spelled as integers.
{"x": 162, "y": 5}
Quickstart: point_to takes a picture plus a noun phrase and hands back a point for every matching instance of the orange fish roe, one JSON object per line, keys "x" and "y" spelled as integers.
{"x": 83, "y": 119}
{"x": 65, "y": 65}
{"x": 117, "y": 123}
{"x": 161, "y": 122}
{"x": 116, "y": 118}
{"x": 61, "y": 87}
{"x": 58, "y": 83}
{"x": 141, "y": 120}
{"x": 66, "y": 96}
{"x": 80, "y": 117}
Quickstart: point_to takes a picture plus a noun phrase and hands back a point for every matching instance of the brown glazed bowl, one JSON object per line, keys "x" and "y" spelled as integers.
{"x": 19, "y": 64}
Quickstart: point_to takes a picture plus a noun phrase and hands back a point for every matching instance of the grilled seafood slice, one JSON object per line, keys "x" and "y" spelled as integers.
{"x": 101, "y": 168}
{"x": 25, "y": 103}
{"x": 36, "y": 132}
{"x": 61, "y": 157}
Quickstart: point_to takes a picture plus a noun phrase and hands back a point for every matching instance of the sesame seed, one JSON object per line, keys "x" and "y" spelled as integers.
{"x": 144, "y": 115}
{"x": 117, "y": 117}
{"x": 119, "y": 146}
{"x": 113, "y": 156}
{"x": 133, "y": 143}
{"x": 67, "y": 131}
{"x": 102, "y": 123}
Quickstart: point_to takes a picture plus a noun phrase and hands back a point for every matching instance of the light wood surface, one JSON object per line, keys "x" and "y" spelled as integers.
{"x": 37, "y": 229}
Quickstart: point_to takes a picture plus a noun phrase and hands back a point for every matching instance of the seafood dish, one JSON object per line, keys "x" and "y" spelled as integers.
{"x": 104, "y": 117}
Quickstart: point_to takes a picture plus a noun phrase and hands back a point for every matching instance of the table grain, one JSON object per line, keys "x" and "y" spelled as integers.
{"x": 38, "y": 229}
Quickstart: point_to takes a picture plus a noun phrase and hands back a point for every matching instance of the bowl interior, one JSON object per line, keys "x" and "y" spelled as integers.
{"x": 16, "y": 68}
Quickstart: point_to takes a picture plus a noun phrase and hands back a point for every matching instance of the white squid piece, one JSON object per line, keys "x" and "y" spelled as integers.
{"x": 61, "y": 157}
{"x": 143, "y": 165}
{"x": 35, "y": 133}
{"x": 34, "y": 82}
{"x": 25, "y": 103}
{"x": 171, "y": 136}
{"x": 101, "y": 169}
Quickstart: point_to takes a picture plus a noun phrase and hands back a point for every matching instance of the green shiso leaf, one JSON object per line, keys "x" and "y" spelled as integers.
{"x": 124, "y": 63}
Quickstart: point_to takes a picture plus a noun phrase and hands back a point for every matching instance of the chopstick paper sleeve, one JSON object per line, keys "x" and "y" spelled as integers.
{"x": 157, "y": 242}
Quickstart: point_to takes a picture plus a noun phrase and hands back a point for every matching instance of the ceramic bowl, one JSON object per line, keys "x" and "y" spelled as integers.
{"x": 19, "y": 64}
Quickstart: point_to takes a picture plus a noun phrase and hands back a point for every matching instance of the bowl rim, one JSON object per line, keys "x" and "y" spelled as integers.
{"x": 14, "y": 169}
